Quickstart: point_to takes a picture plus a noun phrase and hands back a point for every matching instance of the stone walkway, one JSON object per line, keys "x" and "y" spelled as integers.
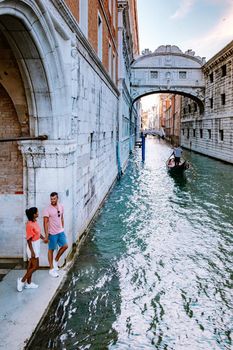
{"x": 20, "y": 312}
{"x": 6, "y": 265}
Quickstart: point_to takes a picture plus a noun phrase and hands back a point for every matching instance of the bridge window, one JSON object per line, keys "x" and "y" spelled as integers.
{"x": 209, "y": 133}
{"x": 211, "y": 77}
{"x": 224, "y": 70}
{"x": 223, "y": 99}
{"x": 211, "y": 102}
{"x": 182, "y": 75}
{"x": 221, "y": 135}
{"x": 154, "y": 74}
{"x": 201, "y": 133}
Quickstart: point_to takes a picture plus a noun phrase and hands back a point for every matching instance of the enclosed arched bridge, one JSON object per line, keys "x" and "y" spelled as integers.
{"x": 168, "y": 70}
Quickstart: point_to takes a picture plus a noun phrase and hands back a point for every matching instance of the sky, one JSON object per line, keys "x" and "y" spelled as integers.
{"x": 205, "y": 26}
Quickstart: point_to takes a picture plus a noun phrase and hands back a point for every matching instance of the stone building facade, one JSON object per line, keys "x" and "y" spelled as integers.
{"x": 128, "y": 49}
{"x": 211, "y": 132}
{"x": 58, "y": 77}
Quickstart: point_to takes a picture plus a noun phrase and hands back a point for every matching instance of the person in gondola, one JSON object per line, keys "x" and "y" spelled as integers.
{"x": 177, "y": 151}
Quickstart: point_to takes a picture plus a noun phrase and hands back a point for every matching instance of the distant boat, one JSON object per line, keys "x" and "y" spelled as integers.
{"x": 176, "y": 169}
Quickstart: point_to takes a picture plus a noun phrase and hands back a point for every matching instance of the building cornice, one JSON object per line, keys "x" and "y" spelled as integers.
{"x": 161, "y": 54}
{"x": 220, "y": 57}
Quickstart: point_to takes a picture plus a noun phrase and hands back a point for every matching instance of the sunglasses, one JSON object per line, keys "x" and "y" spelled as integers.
{"x": 58, "y": 213}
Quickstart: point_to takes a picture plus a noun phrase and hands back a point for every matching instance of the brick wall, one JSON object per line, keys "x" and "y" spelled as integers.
{"x": 109, "y": 29}
{"x": 11, "y": 170}
{"x": 74, "y": 7}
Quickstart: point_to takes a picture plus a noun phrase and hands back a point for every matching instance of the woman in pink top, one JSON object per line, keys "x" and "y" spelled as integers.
{"x": 33, "y": 236}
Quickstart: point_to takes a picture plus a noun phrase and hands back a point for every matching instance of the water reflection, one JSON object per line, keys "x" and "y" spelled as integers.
{"x": 180, "y": 180}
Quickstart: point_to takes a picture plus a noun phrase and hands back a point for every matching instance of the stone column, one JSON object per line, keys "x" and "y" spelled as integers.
{"x": 50, "y": 166}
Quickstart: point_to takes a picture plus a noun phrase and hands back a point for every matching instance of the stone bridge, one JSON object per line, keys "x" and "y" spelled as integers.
{"x": 168, "y": 70}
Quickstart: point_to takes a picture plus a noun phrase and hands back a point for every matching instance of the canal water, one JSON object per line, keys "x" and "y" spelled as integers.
{"x": 156, "y": 269}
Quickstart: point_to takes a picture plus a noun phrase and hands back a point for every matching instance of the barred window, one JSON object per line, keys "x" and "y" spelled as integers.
{"x": 154, "y": 74}
{"x": 182, "y": 75}
{"x": 221, "y": 135}
{"x": 223, "y": 99}
{"x": 211, "y": 102}
{"x": 224, "y": 70}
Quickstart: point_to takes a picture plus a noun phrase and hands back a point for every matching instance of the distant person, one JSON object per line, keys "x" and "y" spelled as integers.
{"x": 177, "y": 151}
{"x": 33, "y": 236}
{"x": 54, "y": 232}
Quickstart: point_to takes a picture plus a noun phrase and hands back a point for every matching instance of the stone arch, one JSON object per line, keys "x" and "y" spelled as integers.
{"x": 29, "y": 31}
{"x": 200, "y": 102}
{"x": 38, "y": 103}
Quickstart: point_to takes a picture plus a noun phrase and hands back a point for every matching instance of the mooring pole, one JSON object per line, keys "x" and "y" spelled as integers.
{"x": 143, "y": 147}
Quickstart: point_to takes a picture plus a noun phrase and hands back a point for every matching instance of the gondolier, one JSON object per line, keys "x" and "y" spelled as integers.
{"x": 177, "y": 151}
{"x": 175, "y": 163}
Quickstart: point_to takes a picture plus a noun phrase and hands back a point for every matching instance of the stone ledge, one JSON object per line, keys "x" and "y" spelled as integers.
{"x": 48, "y": 154}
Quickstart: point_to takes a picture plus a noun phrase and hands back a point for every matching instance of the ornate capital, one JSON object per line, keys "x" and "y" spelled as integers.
{"x": 48, "y": 154}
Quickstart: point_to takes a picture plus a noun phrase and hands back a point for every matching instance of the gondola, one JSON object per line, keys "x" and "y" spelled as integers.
{"x": 176, "y": 169}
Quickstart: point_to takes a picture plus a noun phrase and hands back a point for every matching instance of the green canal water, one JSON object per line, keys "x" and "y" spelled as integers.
{"x": 156, "y": 269}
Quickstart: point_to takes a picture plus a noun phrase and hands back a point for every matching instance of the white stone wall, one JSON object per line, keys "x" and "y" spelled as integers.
{"x": 12, "y": 225}
{"x": 213, "y": 146}
{"x": 80, "y": 116}
{"x": 217, "y": 116}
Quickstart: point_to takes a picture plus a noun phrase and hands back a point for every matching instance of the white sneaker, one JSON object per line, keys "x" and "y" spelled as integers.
{"x": 55, "y": 265}
{"x": 31, "y": 285}
{"x": 20, "y": 284}
{"x": 53, "y": 273}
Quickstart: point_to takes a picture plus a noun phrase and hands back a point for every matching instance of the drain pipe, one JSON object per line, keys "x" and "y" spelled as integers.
{"x": 118, "y": 141}
{"x": 119, "y": 160}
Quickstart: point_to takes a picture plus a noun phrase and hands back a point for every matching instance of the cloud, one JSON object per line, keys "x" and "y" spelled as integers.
{"x": 219, "y": 2}
{"x": 216, "y": 38}
{"x": 184, "y": 8}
